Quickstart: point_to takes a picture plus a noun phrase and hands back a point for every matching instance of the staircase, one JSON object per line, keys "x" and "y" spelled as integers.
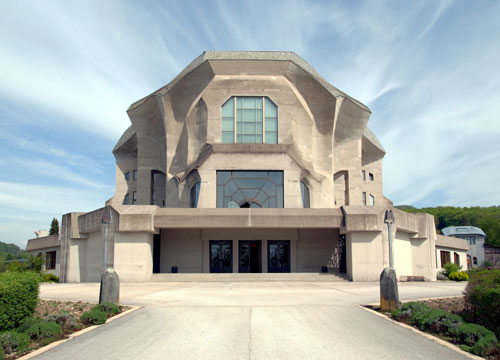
{"x": 245, "y": 277}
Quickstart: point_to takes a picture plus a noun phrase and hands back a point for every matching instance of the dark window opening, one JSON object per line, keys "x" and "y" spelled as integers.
{"x": 134, "y": 175}
{"x": 445, "y": 258}
{"x": 50, "y": 260}
{"x": 306, "y": 197}
{"x": 195, "y": 193}
{"x": 126, "y": 199}
{"x": 127, "y": 175}
{"x": 457, "y": 258}
{"x": 475, "y": 260}
{"x": 370, "y": 176}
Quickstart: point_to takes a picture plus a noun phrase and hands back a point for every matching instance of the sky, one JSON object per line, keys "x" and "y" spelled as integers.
{"x": 428, "y": 70}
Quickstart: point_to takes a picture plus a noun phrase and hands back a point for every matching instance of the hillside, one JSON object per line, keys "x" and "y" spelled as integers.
{"x": 11, "y": 251}
{"x": 486, "y": 218}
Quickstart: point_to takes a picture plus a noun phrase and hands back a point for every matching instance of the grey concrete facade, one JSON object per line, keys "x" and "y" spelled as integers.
{"x": 324, "y": 213}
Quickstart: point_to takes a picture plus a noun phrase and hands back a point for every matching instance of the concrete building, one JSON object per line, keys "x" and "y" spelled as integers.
{"x": 451, "y": 250}
{"x": 247, "y": 162}
{"x": 475, "y": 239}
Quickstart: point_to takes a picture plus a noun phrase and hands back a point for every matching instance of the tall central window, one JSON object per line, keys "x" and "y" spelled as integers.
{"x": 255, "y": 119}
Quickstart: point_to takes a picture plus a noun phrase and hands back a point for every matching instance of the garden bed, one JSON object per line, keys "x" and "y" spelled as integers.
{"x": 450, "y": 327}
{"x": 70, "y": 324}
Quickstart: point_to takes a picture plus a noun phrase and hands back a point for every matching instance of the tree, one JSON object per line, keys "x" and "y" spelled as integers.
{"x": 54, "y": 227}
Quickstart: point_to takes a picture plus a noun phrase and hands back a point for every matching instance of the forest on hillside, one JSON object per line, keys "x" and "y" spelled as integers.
{"x": 486, "y": 218}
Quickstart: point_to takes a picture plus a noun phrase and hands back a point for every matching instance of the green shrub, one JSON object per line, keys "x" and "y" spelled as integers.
{"x": 13, "y": 341}
{"x": 449, "y": 268}
{"x": 64, "y": 319}
{"x": 38, "y": 329}
{"x": 477, "y": 339}
{"x": 18, "y": 298}
{"x": 93, "y": 317}
{"x": 2, "y": 354}
{"x": 435, "y": 320}
{"x": 50, "y": 278}
{"x": 108, "y": 308}
{"x": 458, "y": 276}
{"x": 482, "y": 299}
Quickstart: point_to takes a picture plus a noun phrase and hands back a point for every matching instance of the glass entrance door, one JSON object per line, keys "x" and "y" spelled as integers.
{"x": 250, "y": 258}
{"x": 278, "y": 256}
{"x": 221, "y": 256}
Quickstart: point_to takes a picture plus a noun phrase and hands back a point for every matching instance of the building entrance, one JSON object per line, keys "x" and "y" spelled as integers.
{"x": 221, "y": 256}
{"x": 278, "y": 256}
{"x": 250, "y": 256}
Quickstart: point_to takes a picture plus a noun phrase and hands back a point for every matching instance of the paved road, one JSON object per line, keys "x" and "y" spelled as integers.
{"x": 252, "y": 320}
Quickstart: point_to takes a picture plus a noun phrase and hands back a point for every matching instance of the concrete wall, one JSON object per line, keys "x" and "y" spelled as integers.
{"x": 365, "y": 252}
{"x": 134, "y": 256}
{"x": 403, "y": 258}
{"x": 316, "y": 248}
{"x": 181, "y": 248}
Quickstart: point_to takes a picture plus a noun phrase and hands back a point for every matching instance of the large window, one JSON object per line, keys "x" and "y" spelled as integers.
{"x": 306, "y": 199}
{"x": 249, "y": 120}
{"x": 195, "y": 192}
{"x": 256, "y": 189}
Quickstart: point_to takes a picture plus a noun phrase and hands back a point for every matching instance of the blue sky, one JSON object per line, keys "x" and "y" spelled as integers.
{"x": 429, "y": 71}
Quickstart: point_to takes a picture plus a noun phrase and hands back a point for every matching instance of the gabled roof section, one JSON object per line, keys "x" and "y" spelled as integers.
{"x": 252, "y": 55}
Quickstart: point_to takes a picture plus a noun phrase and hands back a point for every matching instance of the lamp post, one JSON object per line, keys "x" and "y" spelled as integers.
{"x": 389, "y": 295}
{"x": 110, "y": 282}
{"x": 389, "y": 219}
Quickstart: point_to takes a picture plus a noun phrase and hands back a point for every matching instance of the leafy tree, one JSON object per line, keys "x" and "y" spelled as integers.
{"x": 486, "y": 218}
{"x": 54, "y": 227}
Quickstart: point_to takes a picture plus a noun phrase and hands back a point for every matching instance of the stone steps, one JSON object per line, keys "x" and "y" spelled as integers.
{"x": 204, "y": 277}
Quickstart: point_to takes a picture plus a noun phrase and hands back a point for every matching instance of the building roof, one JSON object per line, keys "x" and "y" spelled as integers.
{"x": 43, "y": 242}
{"x": 462, "y": 230}
{"x": 253, "y": 55}
{"x": 452, "y": 242}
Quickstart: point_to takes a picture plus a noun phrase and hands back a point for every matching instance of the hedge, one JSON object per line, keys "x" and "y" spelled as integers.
{"x": 18, "y": 298}
{"x": 482, "y": 299}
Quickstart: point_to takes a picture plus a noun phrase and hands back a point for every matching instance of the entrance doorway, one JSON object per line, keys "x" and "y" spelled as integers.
{"x": 221, "y": 256}
{"x": 250, "y": 256}
{"x": 278, "y": 256}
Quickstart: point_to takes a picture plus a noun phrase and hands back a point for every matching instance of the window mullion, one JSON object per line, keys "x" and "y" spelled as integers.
{"x": 263, "y": 120}
{"x": 235, "y": 99}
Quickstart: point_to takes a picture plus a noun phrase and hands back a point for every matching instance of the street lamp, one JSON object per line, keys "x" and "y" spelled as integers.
{"x": 389, "y": 219}
{"x": 110, "y": 282}
{"x": 389, "y": 294}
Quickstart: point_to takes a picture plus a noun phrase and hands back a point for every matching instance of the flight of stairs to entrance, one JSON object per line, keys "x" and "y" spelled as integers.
{"x": 239, "y": 277}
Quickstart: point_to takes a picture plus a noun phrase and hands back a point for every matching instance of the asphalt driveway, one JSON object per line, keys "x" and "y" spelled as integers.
{"x": 250, "y": 320}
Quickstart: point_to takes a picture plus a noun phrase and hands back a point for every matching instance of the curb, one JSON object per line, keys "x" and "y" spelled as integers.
{"x": 76, "y": 334}
{"x": 424, "y": 334}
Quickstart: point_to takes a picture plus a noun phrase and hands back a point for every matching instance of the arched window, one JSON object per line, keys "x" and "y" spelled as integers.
{"x": 195, "y": 192}
{"x": 306, "y": 198}
{"x": 249, "y": 120}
